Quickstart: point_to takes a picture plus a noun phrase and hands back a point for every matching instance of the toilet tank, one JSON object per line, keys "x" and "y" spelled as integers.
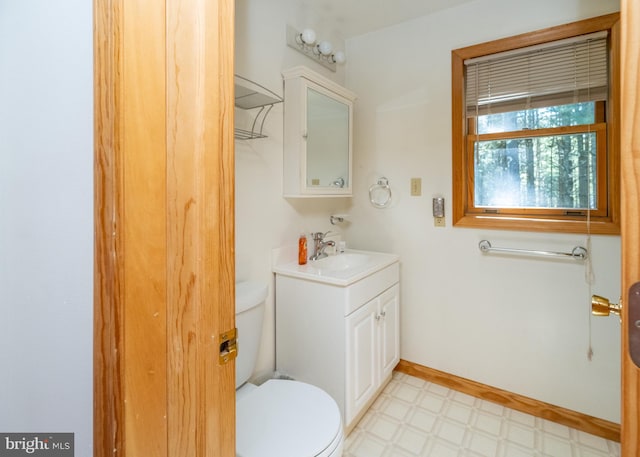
{"x": 250, "y": 297}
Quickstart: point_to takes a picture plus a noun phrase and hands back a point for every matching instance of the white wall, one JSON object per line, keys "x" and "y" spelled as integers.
{"x": 46, "y": 195}
{"x": 521, "y": 324}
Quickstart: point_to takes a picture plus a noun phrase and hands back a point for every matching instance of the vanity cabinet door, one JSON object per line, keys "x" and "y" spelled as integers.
{"x": 362, "y": 358}
{"x": 373, "y": 349}
{"x": 389, "y": 330}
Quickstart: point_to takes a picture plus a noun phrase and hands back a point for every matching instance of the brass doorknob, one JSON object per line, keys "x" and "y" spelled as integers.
{"x": 601, "y": 306}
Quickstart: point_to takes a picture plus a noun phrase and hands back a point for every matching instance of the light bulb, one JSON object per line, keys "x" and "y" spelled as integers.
{"x": 325, "y": 48}
{"x": 339, "y": 57}
{"x": 308, "y": 36}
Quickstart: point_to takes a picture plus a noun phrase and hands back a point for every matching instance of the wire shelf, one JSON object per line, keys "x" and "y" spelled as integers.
{"x": 248, "y": 96}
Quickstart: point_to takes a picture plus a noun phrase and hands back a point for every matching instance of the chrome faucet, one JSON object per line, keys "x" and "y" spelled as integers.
{"x": 319, "y": 245}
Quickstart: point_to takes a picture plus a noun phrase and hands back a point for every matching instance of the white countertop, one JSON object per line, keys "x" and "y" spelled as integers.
{"x": 353, "y": 266}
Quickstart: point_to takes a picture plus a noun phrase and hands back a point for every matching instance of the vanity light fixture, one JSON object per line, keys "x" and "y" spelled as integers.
{"x": 321, "y": 51}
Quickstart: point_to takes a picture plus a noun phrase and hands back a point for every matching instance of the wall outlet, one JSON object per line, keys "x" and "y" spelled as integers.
{"x": 416, "y": 187}
{"x": 438, "y": 222}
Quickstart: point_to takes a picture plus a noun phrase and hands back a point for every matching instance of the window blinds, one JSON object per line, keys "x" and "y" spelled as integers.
{"x": 566, "y": 71}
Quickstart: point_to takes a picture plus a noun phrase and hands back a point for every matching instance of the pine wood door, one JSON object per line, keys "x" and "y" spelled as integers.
{"x": 630, "y": 179}
{"x": 164, "y": 228}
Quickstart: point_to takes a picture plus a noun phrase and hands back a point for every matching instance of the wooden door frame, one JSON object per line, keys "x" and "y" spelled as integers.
{"x": 164, "y": 227}
{"x": 630, "y": 206}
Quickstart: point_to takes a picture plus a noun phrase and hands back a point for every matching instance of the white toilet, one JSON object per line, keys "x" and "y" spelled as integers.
{"x": 280, "y": 418}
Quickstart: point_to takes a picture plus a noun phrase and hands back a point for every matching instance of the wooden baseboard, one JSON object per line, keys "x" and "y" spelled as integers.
{"x": 573, "y": 419}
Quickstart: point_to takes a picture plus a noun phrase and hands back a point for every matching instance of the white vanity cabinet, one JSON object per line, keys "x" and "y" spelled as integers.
{"x": 341, "y": 338}
{"x": 318, "y": 122}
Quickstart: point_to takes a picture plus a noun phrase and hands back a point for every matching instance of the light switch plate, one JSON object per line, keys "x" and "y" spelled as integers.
{"x": 416, "y": 187}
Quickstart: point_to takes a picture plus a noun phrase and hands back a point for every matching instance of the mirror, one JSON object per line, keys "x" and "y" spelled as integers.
{"x": 327, "y": 141}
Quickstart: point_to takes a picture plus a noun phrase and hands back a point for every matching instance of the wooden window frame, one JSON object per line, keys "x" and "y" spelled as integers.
{"x": 604, "y": 221}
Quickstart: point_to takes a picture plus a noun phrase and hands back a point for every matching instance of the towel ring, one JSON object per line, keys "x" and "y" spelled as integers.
{"x": 380, "y": 193}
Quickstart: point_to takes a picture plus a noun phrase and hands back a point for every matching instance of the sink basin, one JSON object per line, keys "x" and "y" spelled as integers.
{"x": 340, "y": 269}
{"x": 341, "y": 261}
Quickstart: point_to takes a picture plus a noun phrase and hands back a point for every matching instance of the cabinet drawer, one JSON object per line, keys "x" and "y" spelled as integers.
{"x": 364, "y": 290}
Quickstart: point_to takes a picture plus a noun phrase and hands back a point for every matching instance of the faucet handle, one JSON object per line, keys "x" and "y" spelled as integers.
{"x": 319, "y": 236}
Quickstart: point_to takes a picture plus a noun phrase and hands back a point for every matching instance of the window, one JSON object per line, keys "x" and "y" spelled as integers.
{"x": 535, "y": 130}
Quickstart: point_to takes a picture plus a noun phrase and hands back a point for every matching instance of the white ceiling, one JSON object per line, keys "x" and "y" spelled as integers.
{"x": 357, "y": 17}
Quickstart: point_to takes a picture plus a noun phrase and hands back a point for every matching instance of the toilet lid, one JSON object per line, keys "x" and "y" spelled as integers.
{"x": 283, "y": 418}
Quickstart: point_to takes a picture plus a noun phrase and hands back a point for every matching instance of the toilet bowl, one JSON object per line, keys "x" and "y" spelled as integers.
{"x": 282, "y": 418}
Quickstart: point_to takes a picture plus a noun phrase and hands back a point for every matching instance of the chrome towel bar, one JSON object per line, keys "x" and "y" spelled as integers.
{"x": 578, "y": 252}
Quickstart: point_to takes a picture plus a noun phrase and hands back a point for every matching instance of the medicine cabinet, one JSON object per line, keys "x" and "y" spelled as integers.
{"x": 318, "y": 121}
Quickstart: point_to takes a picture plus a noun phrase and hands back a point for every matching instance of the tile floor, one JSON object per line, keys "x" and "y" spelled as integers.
{"x": 413, "y": 417}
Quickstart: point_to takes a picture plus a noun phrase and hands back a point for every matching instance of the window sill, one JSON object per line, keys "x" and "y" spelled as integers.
{"x": 537, "y": 224}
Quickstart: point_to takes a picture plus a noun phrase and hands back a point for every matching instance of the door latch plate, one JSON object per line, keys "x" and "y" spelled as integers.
{"x": 634, "y": 323}
{"x": 228, "y": 346}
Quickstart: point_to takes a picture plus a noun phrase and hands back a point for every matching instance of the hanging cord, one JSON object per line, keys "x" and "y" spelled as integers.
{"x": 589, "y": 275}
{"x": 589, "y": 278}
